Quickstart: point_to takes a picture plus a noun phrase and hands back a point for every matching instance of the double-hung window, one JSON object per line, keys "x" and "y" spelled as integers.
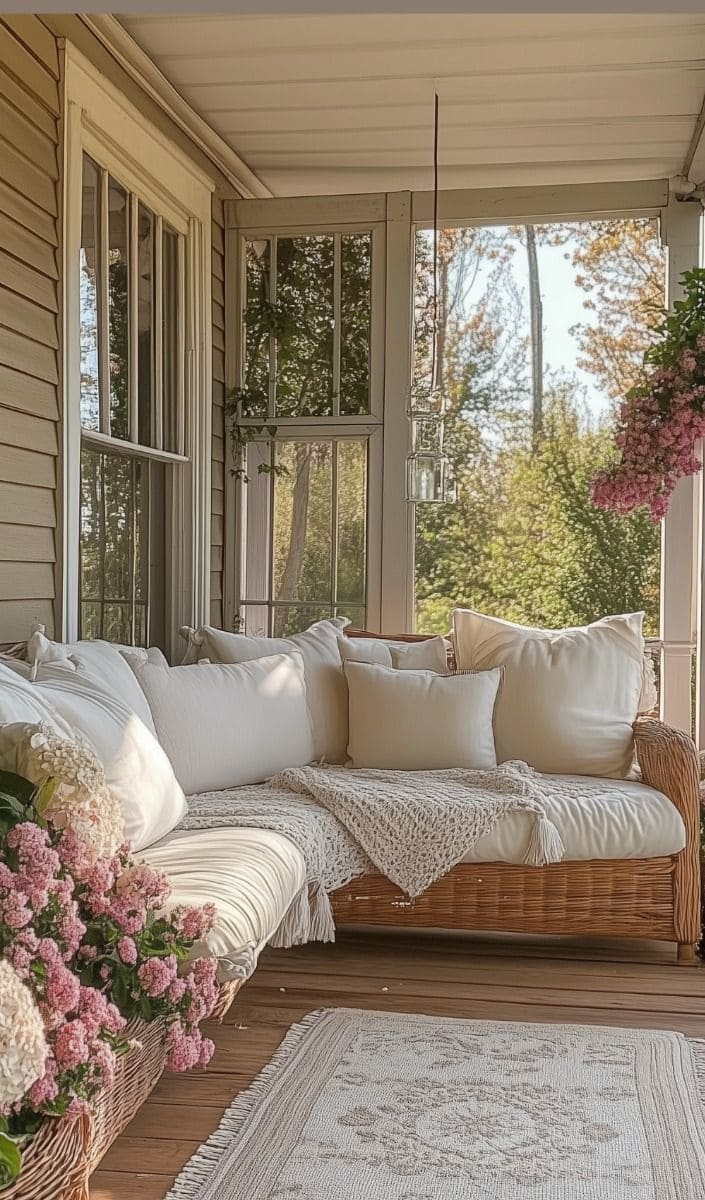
{"x": 137, "y": 394}
{"x": 308, "y": 409}
{"x": 132, "y": 408}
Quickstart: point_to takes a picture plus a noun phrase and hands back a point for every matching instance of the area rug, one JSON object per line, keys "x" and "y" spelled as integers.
{"x": 387, "y": 1106}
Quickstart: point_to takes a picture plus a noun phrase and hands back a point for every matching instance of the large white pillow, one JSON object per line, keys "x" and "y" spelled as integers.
{"x": 137, "y": 770}
{"x": 420, "y": 721}
{"x": 431, "y": 654}
{"x": 20, "y": 702}
{"x": 569, "y": 697}
{"x": 100, "y": 660}
{"x": 325, "y": 685}
{"x": 226, "y": 724}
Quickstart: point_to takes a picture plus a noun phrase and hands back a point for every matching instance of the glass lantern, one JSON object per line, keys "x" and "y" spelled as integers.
{"x": 426, "y": 477}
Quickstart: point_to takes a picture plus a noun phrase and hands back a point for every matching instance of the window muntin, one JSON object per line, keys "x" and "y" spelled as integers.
{"x": 132, "y": 412}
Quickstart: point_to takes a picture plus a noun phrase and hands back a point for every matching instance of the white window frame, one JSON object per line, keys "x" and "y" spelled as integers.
{"x": 304, "y": 220}
{"x": 101, "y": 122}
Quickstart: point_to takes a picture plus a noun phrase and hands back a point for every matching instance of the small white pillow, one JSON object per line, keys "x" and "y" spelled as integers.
{"x": 570, "y": 696}
{"x": 419, "y": 721}
{"x": 325, "y": 685}
{"x": 137, "y": 770}
{"x": 431, "y": 654}
{"x": 226, "y": 724}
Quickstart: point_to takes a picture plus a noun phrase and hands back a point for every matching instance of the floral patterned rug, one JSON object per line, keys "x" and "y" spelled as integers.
{"x": 386, "y": 1106}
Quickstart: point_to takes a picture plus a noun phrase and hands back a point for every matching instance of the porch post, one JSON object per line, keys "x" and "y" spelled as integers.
{"x": 681, "y": 531}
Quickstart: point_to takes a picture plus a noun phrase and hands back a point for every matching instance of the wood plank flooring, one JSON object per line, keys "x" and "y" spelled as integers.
{"x": 501, "y": 978}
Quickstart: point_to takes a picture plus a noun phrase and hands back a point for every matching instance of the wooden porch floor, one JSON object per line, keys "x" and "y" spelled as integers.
{"x": 497, "y": 978}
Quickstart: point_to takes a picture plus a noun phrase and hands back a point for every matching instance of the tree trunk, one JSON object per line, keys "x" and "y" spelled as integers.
{"x": 536, "y": 311}
{"x": 291, "y": 575}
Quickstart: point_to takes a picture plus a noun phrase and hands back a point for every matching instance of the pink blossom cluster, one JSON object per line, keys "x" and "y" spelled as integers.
{"x": 41, "y": 933}
{"x": 659, "y": 424}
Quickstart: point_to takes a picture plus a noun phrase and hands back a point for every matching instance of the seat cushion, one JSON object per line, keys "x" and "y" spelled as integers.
{"x": 603, "y": 818}
{"x": 251, "y": 875}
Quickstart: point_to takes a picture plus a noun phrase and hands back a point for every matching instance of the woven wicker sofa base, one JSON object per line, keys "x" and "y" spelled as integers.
{"x": 59, "y": 1161}
{"x": 606, "y": 898}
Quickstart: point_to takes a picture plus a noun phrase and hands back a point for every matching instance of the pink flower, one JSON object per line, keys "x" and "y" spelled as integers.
{"x": 71, "y": 1047}
{"x": 187, "y": 1049}
{"x": 45, "y": 1089}
{"x": 127, "y": 950}
{"x": 156, "y": 974}
{"x": 195, "y": 923}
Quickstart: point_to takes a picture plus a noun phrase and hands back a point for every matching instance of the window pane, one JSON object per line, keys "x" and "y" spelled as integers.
{"x": 172, "y": 361}
{"x": 303, "y": 521}
{"x": 352, "y": 521}
{"x": 529, "y": 420}
{"x": 355, "y": 308}
{"x": 293, "y": 618}
{"x": 88, "y": 290}
{"x": 258, "y": 317}
{"x": 145, "y": 325}
{"x": 118, "y": 320}
{"x": 304, "y": 382}
{"x": 122, "y": 548}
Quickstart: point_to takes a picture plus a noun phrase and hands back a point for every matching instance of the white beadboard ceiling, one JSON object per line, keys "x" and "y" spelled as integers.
{"x": 324, "y": 104}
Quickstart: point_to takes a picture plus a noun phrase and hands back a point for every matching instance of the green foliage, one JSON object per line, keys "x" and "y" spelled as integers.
{"x": 10, "y": 1155}
{"x": 681, "y": 327}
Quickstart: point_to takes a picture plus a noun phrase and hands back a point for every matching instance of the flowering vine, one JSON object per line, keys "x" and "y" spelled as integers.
{"x": 663, "y": 416}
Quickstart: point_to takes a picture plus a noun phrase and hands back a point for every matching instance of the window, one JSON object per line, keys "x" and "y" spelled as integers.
{"x": 137, "y": 387}
{"x": 132, "y": 366}
{"x": 309, "y": 397}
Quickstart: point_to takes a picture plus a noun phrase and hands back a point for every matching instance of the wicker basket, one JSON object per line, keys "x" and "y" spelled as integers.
{"x": 58, "y": 1162}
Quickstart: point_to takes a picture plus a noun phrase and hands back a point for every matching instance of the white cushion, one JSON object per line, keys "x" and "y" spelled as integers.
{"x": 21, "y": 702}
{"x": 251, "y": 875}
{"x": 431, "y": 654}
{"x": 325, "y": 685}
{"x": 418, "y": 721}
{"x": 569, "y": 697}
{"x": 626, "y": 820}
{"x": 137, "y": 770}
{"x": 226, "y": 724}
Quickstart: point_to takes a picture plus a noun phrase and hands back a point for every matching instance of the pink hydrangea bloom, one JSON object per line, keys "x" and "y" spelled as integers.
{"x": 127, "y": 950}
{"x": 72, "y": 1047}
{"x": 156, "y": 974}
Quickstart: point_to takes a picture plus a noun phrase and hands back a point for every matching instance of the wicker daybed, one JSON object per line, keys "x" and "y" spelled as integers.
{"x": 623, "y": 898}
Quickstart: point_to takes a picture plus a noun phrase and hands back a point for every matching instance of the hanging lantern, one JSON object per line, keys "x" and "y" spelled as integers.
{"x": 427, "y": 467}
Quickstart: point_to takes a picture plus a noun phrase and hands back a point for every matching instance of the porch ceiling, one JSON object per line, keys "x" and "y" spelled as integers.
{"x": 331, "y": 104}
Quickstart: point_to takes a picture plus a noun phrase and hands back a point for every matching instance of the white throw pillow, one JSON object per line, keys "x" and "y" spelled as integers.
{"x": 431, "y": 654}
{"x": 570, "y": 696}
{"x": 100, "y": 660}
{"x": 325, "y": 685}
{"x": 20, "y": 702}
{"x": 137, "y": 770}
{"x": 226, "y": 724}
{"x": 420, "y": 721}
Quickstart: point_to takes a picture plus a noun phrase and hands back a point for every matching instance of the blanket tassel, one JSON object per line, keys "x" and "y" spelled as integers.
{"x": 308, "y": 919}
{"x": 545, "y": 844}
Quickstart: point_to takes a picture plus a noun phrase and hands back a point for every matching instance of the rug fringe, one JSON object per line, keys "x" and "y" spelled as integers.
{"x": 199, "y": 1169}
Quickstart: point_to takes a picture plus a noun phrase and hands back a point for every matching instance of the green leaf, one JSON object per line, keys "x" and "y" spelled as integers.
{"x": 10, "y": 1160}
{"x": 44, "y": 795}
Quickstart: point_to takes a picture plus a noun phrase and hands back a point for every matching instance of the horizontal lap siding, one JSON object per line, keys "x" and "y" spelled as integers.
{"x": 218, "y": 454}
{"x": 29, "y": 334}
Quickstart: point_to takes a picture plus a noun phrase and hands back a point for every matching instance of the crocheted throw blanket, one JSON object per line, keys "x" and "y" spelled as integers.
{"x": 412, "y": 826}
